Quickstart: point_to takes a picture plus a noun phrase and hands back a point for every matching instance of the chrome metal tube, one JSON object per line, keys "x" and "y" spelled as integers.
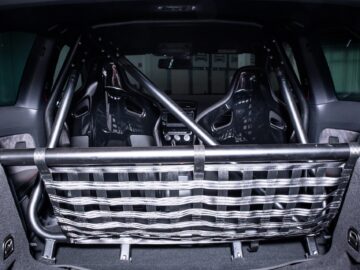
{"x": 304, "y": 108}
{"x": 137, "y": 155}
{"x": 63, "y": 109}
{"x": 167, "y": 102}
{"x": 292, "y": 108}
{"x": 57, "y": 127}
{"x": 36, "y": 226}
{"x": 58, "y": 86}
{"x": 156, "y": 132}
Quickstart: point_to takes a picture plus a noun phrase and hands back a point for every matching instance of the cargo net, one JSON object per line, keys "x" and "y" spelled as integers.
{"x": 195, "y": 203}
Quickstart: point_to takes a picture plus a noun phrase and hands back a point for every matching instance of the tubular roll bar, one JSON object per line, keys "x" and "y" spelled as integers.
{"x": 292, "y": 108}
{"x": 53, "y": 140}
{"x": 304, "y": 108}
{"x": 63, "y": 109}
{"x": 130, "y": 155}
{"x": 58, "y": 86}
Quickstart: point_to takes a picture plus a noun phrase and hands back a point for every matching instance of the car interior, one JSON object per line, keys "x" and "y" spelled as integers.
{"x": 189, "y": 135}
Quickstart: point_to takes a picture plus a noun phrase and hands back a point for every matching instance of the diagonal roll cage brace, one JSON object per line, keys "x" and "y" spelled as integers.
{"x": 167, "y": 102}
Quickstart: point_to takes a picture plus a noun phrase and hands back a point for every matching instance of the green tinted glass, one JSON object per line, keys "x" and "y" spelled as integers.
{"x": 344, "y": 63}
{"x": 14, "y": 51}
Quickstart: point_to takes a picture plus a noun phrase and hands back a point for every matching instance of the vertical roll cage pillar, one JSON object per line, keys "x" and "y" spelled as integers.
{"x": 53, "y": 133}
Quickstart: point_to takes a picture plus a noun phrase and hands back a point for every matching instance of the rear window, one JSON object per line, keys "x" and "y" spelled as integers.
{"x": 207, "y": 73}
{"x": 14, "y": 51}
{"x": 342, "y": 53}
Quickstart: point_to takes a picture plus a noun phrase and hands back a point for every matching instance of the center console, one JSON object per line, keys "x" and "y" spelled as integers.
{"x": 173, "y": 132}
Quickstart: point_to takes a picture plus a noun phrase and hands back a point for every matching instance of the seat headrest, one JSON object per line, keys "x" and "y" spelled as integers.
{"x": 243, "y": 78}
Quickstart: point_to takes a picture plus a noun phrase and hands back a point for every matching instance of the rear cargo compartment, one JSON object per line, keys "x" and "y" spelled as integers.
{"x": 179, "y": 146}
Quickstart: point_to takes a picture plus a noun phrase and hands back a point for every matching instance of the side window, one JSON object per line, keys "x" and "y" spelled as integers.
{"x": 343, "y": 58}
{"x": 80, "y": 82}
{"x": 14, "y": 51}
{"x": 60, "y": 62}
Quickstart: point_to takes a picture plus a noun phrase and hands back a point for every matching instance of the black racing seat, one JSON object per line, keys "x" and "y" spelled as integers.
{"x": 113, "y": 113}
{"x": 122, "y": 115}
{"x": 123, "y": 118}
{"x": 248, "y": 113}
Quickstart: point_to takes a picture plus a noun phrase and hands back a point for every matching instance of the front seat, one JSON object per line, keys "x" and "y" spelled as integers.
{"x": 248, "y": 113}
{"x": 122, "y": 116}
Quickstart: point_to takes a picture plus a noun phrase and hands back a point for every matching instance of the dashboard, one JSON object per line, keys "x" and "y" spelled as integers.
{"x": 172, "y": 131}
